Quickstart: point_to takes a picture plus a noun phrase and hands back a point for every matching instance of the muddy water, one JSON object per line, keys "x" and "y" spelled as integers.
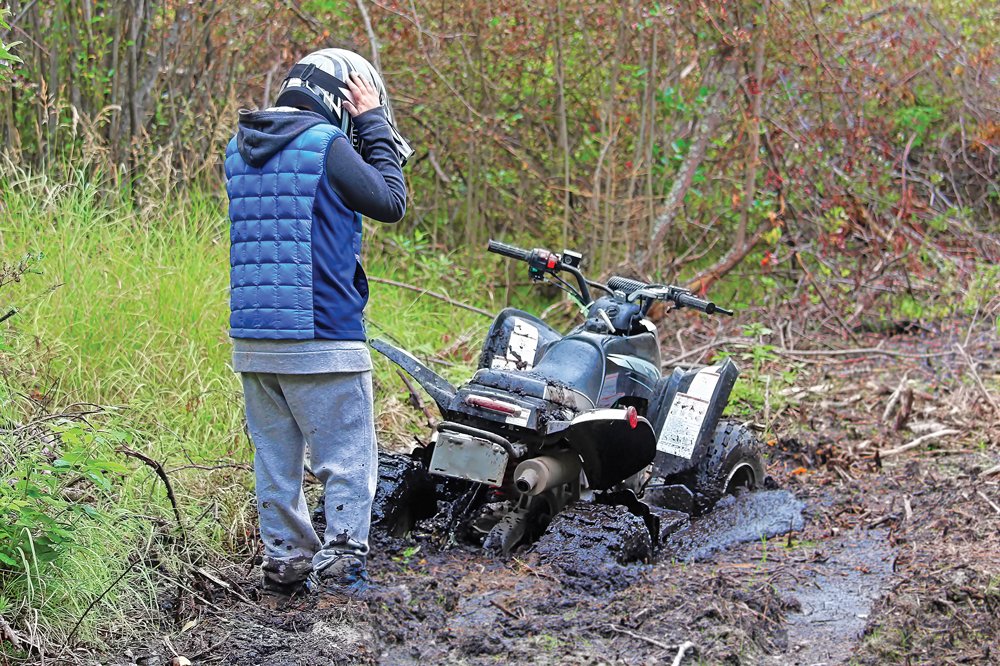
{"x": 734, "y": 520}
{"x": 836, "y": 594}
{"x": 834, "y": 591}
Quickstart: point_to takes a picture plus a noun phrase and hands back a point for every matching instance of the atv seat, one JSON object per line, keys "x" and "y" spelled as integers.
{"x": 572, "y": 363}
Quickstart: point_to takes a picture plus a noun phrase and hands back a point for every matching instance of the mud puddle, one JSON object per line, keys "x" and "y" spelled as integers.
{"x": 835, "y": 593}
{"x": 735, "y": 519}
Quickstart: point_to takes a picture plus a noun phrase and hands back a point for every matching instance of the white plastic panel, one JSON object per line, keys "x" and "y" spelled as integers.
{"x": 521, "y": 348}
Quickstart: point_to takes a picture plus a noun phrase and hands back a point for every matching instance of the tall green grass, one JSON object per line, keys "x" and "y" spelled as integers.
{"x": 128, "y": 309}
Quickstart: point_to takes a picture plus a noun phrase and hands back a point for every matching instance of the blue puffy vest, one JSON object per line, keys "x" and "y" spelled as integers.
{"x": 295, "y": 272}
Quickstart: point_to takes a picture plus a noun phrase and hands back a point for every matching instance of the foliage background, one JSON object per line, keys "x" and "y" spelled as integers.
{"x": 664, "y": 136}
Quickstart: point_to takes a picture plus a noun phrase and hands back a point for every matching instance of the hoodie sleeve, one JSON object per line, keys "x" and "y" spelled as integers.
{"x": 372, "y": 184}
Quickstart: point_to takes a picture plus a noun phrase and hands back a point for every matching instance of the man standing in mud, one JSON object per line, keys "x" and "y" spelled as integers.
{"x": 299, "y": 177}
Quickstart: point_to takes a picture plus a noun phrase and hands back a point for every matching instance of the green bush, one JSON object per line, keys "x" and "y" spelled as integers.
{"x": 39, "y": 516}
{"x": 7, "y": 57}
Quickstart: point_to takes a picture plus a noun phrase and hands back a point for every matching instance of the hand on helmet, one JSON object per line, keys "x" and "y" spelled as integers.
{"x": 364, "y": 94}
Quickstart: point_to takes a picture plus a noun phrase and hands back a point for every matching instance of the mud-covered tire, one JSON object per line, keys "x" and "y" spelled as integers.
{"x": 734, "y": 459}
{"x": 402, "y": 482}
{"x": 585, "y": 533}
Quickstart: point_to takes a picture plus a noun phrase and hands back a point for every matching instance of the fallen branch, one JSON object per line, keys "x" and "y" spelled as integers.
{"x": 162, "y": 473}
{"x": 700, "y": 283}
{"x": 212, "y": 468}
{"x": 65, "y": 414}
{"x": 991, "y": 471}
{"x": 432, "y": 294}
{"x": 917, "y": 442}
{"x": 893, "y": 399}
{"x": 681, "y": 651}
{"x": 228, "y": 587}
{"x": 796, "y": 353}
{"x": 651, "y": 641}
{"x": 508, "y": 612}
{"x": 979, "y": 380}
{"x": 8, "y": 634}
{"x": 988, "y": 501}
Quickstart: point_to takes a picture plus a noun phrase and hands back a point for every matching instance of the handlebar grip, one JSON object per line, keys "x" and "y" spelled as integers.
{"x": 689, "y": 301}
{"x": 511, "y": 251}
{"x": 626, "y": 285}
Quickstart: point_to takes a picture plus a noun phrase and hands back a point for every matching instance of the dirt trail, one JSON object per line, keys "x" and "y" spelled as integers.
{"x": 893, "y": 560}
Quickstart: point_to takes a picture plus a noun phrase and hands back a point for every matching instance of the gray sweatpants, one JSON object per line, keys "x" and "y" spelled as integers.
{"x": 332, "y": 413}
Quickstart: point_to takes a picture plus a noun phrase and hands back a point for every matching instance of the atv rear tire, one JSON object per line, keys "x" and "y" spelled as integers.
{"x": 403, "y": 488}
{"x": 583, "y": 534}
{"x": 734, "y": 460}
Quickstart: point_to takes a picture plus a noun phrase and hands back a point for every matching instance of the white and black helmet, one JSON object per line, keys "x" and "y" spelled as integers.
{"x": 317, "y": 82}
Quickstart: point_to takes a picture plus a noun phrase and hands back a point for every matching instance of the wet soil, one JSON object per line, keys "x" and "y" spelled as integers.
{"x": 835, "y": 600}
{"x": 735, "y": 519}
{"x": 856, "y": 558}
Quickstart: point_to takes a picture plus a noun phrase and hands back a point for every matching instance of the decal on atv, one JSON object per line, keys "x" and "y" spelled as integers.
{"x": 687, "y": 415}
{"x": 521, "y": 348}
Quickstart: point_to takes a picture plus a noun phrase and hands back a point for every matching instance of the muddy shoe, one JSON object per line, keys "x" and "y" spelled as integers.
{"x": 283, "y": 580}
{"x": 278, "y": 596}
{"x": 343, "y": 576}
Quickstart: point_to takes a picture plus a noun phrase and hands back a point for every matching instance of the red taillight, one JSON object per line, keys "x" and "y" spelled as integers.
{"x": 492, "y": 405}
{"x": 633, "y": 417}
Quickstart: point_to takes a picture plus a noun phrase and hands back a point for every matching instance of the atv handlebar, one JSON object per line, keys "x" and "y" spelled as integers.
{"x": 634, "y": 289}
{"x": 541, "y": 261}
{"x": 625, "y": 285}
{"x": 685, "y": 299}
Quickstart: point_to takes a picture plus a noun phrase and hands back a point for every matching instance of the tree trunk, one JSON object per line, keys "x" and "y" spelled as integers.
{"x": 755, "y": 96}
{"x": 715, "y": 108}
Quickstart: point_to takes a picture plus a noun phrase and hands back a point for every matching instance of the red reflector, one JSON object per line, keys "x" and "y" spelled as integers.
{"x": 633, "y": 418}
{"x": 492, "y": 405}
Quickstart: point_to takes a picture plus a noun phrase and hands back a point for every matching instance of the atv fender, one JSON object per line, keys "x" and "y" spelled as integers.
{"x": 609, "y": 445}
{"x": 439, "y": 388}
{"x": 685, "y": 411}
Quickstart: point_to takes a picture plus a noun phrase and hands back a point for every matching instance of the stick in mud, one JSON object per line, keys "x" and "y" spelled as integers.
{"x": 917, "y": 442}
{"x": 651, "y": 641}
{"x": 988, "y": 501}
{"x": 681, "y": 651}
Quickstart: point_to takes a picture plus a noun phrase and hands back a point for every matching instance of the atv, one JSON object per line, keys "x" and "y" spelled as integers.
{"x": 559, "y": 427}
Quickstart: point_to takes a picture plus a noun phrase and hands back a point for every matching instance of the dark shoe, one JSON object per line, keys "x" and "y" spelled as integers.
{"x": 283, "y": 580}
{"x": 279, "y": 596}
{"x": 345, "y": 575}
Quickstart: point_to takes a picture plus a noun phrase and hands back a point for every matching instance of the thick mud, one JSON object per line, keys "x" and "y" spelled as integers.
{"x": 591, "y": 591}
{"x": 745, "y": 518}
{"x": 595, "y": 547}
